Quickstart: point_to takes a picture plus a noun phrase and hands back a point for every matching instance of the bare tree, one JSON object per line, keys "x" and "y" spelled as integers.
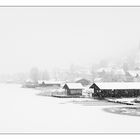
{"x": 125, "y": 67}
{"x": 45, "y": 75}
{"x": 93, "y": 73}
{"x": 34, "y": 74}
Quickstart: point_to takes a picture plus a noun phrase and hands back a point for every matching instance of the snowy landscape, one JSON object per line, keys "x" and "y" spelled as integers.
{"x": 69, "y": 70}
{"x": 24, "y": 111}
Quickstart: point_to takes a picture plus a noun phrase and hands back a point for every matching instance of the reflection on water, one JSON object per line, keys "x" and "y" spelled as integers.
{"x": 131, "y": 111}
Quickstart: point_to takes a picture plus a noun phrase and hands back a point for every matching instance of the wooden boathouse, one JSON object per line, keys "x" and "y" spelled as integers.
{"x": 49, "y": 84}
{"x": 116, "y": 89}
{"x": 74, "y": 89}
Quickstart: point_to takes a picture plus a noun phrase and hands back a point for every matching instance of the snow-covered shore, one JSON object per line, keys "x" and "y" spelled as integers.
{"x": 23, "y": 110}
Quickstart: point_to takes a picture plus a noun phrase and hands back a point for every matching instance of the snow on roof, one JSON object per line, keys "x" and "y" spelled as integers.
{"x": 41, "y": 81}
{"x": 29, "y": 80}
{"x": 106, "y": 69}
{"x": 119, "y": 85}
{"x": 134, "y": 73}
{"x": 74, "y": 85}
{"x": 98, "y": 80}
{"x": 77, "y": 79}
{"x": 81, "y": 79}
{"x": 119, "y": 71}
{"x": 114, "y": 70}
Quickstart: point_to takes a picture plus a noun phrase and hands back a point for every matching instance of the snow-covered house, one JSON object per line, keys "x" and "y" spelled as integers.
{"x": 105, "y": 69}
{"x": 49, "y": 84}
{"x": 111, "y": 74}
{"x": 116, "y": 89}
{"x": 29, "y": 84}
{"x": 73, "y": 88}
{"x": 83, "y": 81}
{"x": 119, "y": 72}
{"x": 134, "y": 73}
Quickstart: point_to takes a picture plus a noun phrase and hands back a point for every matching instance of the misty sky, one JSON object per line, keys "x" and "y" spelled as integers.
{"x": 57, "y": 37}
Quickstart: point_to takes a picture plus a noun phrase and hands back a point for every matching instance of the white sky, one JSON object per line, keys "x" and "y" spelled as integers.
{"x": 49, "y": 37}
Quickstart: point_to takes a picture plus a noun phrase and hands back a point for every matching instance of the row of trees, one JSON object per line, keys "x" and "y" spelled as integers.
{"x": 36, "y": 74}
{"x": 90, "y": 73}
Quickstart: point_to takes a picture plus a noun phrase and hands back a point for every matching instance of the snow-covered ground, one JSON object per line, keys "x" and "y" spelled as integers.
{"x": 129, "y": 101}
{"x": 23, "y": 110}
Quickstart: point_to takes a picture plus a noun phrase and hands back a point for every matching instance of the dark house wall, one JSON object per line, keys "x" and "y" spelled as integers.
{"x": 96, "y": 90}
{"x": 66, "y": 89}
{"x": 75, "y": 91}
{"x": 72, "y": 91}
{"x": 116, "y": 93}
{"x": 49, "y": 85}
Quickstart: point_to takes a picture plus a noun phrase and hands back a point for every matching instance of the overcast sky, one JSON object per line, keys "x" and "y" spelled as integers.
{"x": 57, "y": 37}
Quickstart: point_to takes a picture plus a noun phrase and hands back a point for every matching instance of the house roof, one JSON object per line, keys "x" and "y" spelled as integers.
{"x": 74, "y": 85}
{"x": 29, "y": 80}
{"x": 134, "y": 73}
{"x": 114, "y": 70}
{"x": 98, "y": 79}
{"x": 106, "y": 69}
{"x": 82, "y": 79}
{"x": 118, "y": 85}
{"x": 119, "y": 71}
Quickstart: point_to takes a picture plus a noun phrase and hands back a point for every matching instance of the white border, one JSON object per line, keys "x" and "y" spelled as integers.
{"x": 70, "y": 2}
{"x": 69, "y": 137}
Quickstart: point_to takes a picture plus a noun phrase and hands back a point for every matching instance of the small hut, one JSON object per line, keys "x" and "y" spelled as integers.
{"x": 83, "y": 81}
{"x": 49, "y": 84}
{"x": 73, "y": 88}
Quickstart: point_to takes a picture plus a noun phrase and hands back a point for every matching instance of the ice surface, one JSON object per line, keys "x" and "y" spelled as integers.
{"x": 22, "y": 110}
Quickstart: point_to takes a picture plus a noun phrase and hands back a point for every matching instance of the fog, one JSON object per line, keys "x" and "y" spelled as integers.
{"x": 58, "y": 37}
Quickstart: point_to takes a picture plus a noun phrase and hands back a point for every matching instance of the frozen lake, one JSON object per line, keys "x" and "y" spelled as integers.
{"x": 23, "y": 111}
